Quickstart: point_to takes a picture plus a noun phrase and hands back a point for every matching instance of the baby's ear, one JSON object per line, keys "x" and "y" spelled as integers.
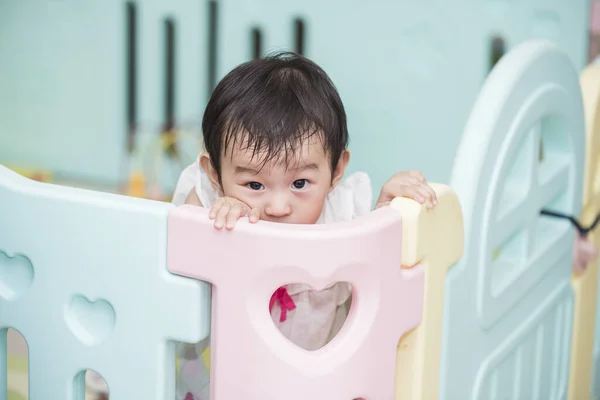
{"x": 209, "y": 169}
{"x": 340, "y": 169}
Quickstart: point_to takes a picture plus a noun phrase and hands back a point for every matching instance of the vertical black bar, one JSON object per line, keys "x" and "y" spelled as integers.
{"x": 256, "y": 37}
{"x": 131, "y": 72}
{"x": 169, "y": 111}
{"x": 497, "y": 50}
{"x": 212, "y": 44}
{"x": 299, "y": 30}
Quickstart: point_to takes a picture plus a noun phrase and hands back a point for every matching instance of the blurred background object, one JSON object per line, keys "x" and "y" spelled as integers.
{"x": 110, "y": 94}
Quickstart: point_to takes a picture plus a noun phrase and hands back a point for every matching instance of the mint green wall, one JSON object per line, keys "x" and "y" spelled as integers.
{"x": 408, "y": 72}
{"x": 61, "y": 84}
{"x": 62, "y": 81}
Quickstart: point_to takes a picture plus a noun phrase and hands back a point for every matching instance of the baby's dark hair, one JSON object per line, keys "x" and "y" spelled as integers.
{"x": 276, "y": 103}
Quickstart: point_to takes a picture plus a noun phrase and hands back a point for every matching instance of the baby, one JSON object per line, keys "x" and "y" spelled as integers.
{"x": 276, "y": 141}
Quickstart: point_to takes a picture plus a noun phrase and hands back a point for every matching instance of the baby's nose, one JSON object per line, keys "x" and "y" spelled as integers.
{"x": 278, "y": 209}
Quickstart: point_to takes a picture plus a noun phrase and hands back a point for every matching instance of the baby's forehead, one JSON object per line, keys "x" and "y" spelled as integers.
{"x": 309, "y": 152}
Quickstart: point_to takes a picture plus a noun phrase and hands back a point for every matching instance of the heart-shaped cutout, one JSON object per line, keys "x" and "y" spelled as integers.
{"x": 16, "y": 275}
{"x": 310, "y": 318}
{"x": 90, "y": 322}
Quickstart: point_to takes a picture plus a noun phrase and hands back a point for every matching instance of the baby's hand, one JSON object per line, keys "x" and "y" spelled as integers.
{"x": 227, "y": 210}
{"x": 583, "y": 253}
{"x": 409, "y": 184}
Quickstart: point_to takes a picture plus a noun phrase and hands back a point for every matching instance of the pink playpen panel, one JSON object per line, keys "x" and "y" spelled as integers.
{"x": 250, "y": 357}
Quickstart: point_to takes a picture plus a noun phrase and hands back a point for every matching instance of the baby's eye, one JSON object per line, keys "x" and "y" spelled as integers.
{"x": 255, "y": 185}
{"x": 300, "y": 184}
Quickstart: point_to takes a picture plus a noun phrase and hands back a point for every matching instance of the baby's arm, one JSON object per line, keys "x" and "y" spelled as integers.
{"x": 192, "y": 198}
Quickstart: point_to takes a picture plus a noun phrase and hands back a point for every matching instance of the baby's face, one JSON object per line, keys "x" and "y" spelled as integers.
{"x": 292, "y": 193}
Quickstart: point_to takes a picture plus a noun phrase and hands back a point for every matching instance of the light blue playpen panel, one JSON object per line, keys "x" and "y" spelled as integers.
{"x": 408, "y": 72}
{"x": 509, "y": 301}
{"x": 63, "y": 80}
{"x": 83, "y": 278}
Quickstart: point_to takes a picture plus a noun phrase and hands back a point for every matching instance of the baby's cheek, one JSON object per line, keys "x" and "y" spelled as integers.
{"x": 314, "y": 216}
{"x": 316, "y": 210}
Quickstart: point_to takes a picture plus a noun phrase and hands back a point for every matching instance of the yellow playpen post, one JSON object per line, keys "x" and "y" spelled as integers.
{"x": 433, "y": 238}
{"x": 585, "y": 285}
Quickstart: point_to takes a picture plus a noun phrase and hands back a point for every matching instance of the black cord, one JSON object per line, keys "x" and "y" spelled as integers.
{"x": 582, "y": 230}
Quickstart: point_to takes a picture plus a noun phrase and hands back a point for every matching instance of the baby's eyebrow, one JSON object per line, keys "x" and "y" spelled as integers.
{"x": 255, "y": 171}
{"x": 304, "y": 167}
{"x": 248, "y": 170}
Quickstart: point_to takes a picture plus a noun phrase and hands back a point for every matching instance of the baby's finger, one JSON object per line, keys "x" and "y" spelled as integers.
{"x": 254, "y": 215}
{"x": 433, "y": 195}
{"x": 411, "y": 192}
{"x": 429, "y": 193}
{"x": 214, "y": 210}
{"x": 222, "y": 215}
{"x": 427, "y": 200}
{"x": 235, "y": 212}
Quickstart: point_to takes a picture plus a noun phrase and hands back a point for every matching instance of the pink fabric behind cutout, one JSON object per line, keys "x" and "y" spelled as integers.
{"x": 251, "y": 359}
